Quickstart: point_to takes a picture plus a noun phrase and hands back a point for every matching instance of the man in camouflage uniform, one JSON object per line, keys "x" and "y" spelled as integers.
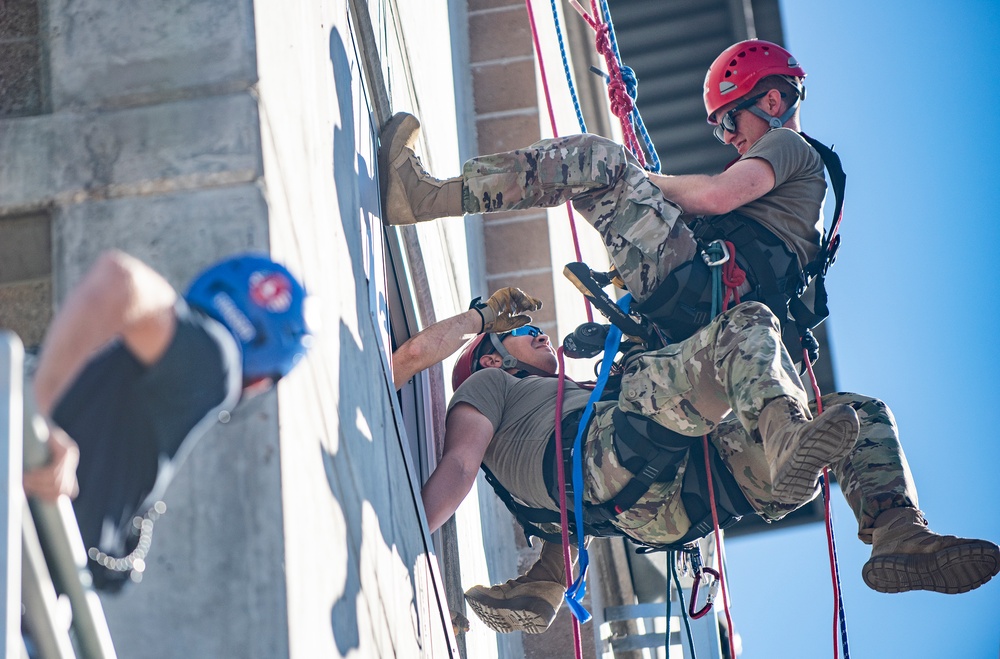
{"x": 737, "y": 359}
{"x": 737, "y": 363}
{"x": 777, "y": 185}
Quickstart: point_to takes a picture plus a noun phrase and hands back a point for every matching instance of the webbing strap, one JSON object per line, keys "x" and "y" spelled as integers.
{"x": 526, "y": 516}
{"x": 641, "y": 481}
{"x": 578, "y": 589}
{"x": 838, "y": 179}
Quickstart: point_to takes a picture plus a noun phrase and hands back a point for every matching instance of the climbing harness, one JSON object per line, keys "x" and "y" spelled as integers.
{"x": 683, "y": 302}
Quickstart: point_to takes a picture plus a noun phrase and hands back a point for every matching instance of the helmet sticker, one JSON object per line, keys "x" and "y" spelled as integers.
{"x": 234, "y": 318}
{"x": 271, "y": 290}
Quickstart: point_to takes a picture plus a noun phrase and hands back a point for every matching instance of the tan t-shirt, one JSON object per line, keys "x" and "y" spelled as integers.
{"x": 793, "y": 209}
{"x": 522, "y": 411}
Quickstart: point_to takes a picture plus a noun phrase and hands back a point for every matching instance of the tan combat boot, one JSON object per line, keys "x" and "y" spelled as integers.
{"x": 410, "y": 194}
{"x": 528, "y": 603}
{"x": 798, "y": 448}
{"x": 906, "y": 555}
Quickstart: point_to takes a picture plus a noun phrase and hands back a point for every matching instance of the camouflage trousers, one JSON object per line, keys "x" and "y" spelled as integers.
{"x": 874, "y": 477}
{"x": 641, "y": 228}
{"x": 735, "y": 363}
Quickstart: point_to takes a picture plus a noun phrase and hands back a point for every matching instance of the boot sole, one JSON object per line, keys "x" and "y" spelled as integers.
{"x": 825, "y": 447}
{"x": 528, "y": 614}
{"x": 951, "y": 571}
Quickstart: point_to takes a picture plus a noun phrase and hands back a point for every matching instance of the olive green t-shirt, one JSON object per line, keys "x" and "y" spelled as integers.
{"x": 522, "y": 411}
{"x": 793, "y": 209}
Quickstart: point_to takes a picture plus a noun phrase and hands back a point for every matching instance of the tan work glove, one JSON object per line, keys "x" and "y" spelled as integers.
{"x": 505, "y": 310}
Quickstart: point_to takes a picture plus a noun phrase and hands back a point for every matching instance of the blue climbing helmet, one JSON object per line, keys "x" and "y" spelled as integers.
{"x": 261, "y": 303}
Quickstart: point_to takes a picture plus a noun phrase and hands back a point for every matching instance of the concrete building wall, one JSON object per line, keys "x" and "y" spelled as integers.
{"x": 182, "y": 132}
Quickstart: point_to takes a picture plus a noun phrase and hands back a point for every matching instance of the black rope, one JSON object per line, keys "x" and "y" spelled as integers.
{"x": 684, "y": 613}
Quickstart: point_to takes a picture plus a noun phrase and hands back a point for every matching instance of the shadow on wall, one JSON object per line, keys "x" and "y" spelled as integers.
{"x": 366, "y": 476}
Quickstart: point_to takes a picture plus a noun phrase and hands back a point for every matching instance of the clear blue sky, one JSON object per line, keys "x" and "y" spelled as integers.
{"x": 910, "y": 93}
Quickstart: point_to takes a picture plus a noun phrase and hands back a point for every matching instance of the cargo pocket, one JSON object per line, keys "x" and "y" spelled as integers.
{"x": 655, "y": 382}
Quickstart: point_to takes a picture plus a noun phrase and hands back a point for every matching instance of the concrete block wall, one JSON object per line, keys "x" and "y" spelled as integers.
{"x": 182, "y": 132}
{"x": 148, "y": 142}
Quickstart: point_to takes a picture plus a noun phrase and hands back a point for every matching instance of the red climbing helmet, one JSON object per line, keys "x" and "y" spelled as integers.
{"x": 741, "y": 66}
{"x": 466, "y": 364}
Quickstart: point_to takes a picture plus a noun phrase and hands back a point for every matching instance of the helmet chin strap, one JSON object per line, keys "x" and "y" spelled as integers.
{"x": 775, "y": 122}
{"x": 510, "y": 361}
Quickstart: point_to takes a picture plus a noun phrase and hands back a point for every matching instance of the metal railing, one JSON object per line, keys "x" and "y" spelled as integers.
{"x": 44, "y": 556}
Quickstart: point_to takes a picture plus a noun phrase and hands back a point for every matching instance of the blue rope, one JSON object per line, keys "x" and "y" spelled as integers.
{"x": 578, "y": 589}
{"x": 628, "y": 77}
{"x": 566, "y": 69}
{"x": 631, "y": 86}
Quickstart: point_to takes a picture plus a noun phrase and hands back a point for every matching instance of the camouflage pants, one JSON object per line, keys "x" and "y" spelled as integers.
{"x": 641, "y": 229}
{"x": 736, "y": 362}
{"x": 874, "y": 477}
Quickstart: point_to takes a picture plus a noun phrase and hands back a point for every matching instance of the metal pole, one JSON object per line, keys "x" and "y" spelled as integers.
{"x": 64, "y": 550}
{"x": 11, "y": 491}
{"x": 48, "y": 630}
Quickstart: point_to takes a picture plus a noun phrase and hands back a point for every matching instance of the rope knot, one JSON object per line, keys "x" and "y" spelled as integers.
{"x": 602, "y": 39}
{"x": 621, "y": 102}
{"x": 631, "y": 82}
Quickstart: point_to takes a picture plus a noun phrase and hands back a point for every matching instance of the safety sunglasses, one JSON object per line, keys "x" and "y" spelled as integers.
{"x": 727, "y": 123}
{"x": 524, "y": 330}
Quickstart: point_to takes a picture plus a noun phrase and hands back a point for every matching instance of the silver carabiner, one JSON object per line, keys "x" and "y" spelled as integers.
{"x": 708, "y": 259}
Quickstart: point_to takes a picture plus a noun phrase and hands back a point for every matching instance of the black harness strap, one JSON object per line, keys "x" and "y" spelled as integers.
{"x": 683, "y": 303}
{"x": 806, "y": 318}
{"x": 527, "y": 517}
{"x": 653, "y": 454}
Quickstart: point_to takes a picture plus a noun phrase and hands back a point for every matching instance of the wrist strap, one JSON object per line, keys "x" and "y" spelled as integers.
{"x": 478, "y": 304}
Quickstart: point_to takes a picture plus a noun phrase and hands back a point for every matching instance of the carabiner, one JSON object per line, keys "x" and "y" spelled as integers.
{"x": 709, "y": 600}
{"x": 708, "y": 259}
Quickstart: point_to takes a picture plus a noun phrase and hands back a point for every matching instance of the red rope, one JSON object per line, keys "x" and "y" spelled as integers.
{"x": 563, "y": 514}
{"x": 718, "y": 548}
{"x": 833, "y": 562}
{"x": 733, "y": 276}
{"x": 621, "y": 103}
{"x": 828, "y": 518}
{"x": 555, "y": 133}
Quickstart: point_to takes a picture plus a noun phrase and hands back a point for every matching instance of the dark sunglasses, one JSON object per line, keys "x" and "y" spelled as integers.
{"x": 524, "y": 330}
{"x": 727, "y": 123}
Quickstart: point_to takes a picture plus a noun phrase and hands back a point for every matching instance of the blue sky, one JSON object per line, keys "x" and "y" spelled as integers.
{"x": 910, "y": 94}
